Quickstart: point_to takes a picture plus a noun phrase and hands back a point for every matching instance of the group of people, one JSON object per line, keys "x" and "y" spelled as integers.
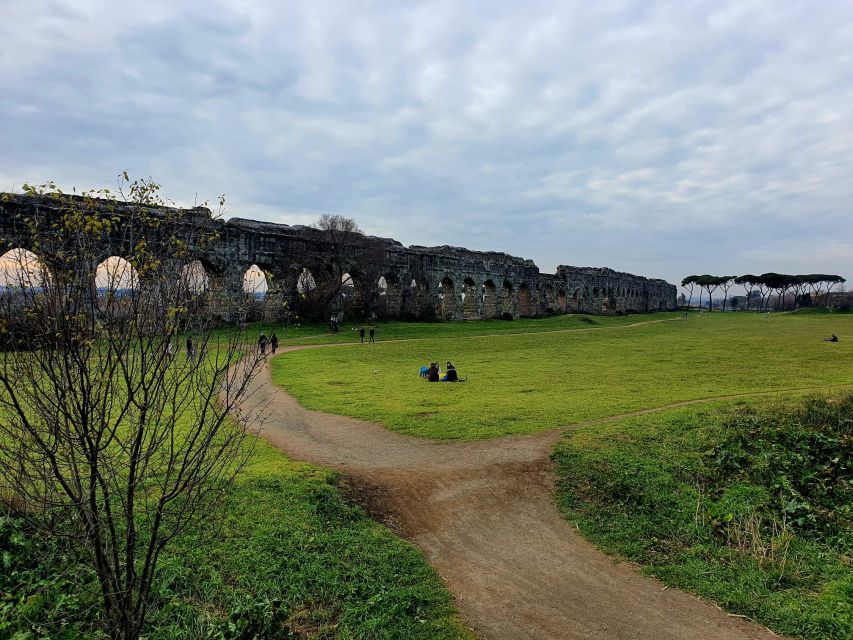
{"x": 371, "y": 333}
{"x": 433, "y": 373}
{"x": 263, "y": 341}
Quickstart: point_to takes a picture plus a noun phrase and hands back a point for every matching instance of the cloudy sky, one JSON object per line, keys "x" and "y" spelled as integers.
{"x": 662, "y": 138}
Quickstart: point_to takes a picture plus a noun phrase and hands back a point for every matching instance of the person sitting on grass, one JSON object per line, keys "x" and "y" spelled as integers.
{"x": 433, "y": 374}
{"x": 451, "y": 375}
{"x": 834, "y": 338}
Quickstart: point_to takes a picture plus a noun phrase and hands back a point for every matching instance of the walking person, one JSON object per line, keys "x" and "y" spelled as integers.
{"x": 190, "y": 349}
{"x": 372, "y": 334}
{"x": 262, "y": 344}
{"x": 361, "y": 334}
{"x": 273, "y": 342}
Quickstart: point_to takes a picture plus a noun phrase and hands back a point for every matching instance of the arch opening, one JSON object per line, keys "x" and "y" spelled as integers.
{"x": 391, "y": 295}
{"x": 116, "y": 277}
{"x": 507, "y": 300}
{"x": 525, "y": 301}
{"x": 548, "y": 299}
{"x": 447, "y": 299}
{"x": 194, "y": 278}
{"x": 255, "y": 283}
{"x": 470, "y": 300}
{"x": 417, "y": 301}
{"x": 22, "y": 269}
{"x": 305, "y": 282}
{"x": 561, "y": 300}
{"x": 490, "y": 300}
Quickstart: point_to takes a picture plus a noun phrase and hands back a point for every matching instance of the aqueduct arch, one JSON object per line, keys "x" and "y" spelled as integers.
{"x": 449, "y": 282}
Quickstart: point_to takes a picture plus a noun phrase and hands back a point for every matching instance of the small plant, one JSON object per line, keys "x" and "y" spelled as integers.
{"x": 252, "y": 619}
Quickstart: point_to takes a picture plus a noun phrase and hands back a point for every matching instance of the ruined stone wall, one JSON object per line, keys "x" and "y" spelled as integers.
{"x": 452, "y": 283}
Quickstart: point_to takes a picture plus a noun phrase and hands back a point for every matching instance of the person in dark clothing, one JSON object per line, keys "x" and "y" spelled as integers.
{"x": 262, "y": 344}
{"x": 432, "y": 374}
{"x": 361, "y": 334}
{"x": 372, "y": 334}
{"x": 451, "y": 376}
{"x": 834, "y": 338}
{"x": 273, "y": 342}
{"x": 190, "y": 349}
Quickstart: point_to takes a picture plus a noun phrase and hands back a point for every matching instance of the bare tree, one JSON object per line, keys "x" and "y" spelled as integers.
{"x": 345, "y": 244}
{"x": 110, "y": 431}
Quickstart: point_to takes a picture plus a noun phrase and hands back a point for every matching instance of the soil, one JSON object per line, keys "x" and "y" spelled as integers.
{"x": 483, "y": 513}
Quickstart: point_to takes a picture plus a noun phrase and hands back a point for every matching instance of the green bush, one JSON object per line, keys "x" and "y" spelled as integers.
{"x": 748, "y": 506}
{"x": 801, "y": 461}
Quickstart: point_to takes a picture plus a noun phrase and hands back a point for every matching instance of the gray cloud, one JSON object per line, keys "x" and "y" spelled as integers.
{"x": 663, "y": 138}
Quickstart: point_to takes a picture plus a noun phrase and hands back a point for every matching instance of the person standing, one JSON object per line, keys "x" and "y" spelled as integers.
{"x": 262, "y": 344}
{"x": 372, "y": 334}
{"x": 273, "y": 342}
{"x": 361, "y": 334}
{"x": 190, "y": 349}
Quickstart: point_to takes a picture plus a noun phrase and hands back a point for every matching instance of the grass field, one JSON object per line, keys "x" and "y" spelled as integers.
{"x": 310, "y": 333}
{"x": 520, "y": 382}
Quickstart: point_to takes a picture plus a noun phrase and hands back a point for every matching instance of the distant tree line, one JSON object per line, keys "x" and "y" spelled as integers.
{"x": 766, "y": 288}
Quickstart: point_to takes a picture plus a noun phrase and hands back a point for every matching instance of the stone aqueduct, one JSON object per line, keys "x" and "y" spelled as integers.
{"x": 390, "y": 280}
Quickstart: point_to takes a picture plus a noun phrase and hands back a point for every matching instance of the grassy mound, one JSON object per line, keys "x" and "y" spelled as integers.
{"x": 292, "y": 560}
{"x": 751, "y": 506}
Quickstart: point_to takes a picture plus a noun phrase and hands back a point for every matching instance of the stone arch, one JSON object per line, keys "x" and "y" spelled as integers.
{"x": 255, "y": 287}
{"x": 255, "y": 284}
{"x": 490, "y": 300}
{"x": 195, "y": 278}
{"x": 351, "y": 295}
{"x": 417, "y": 300}
{"x": 595, "y": 292}
{"x": 347, "y": 291}
{"x": 22, "y": 269}
{"x": 305, "y": 281}
{"x": 447, "y": 298}
{"x": 561, "y": 300}
{"x": 470, "y": 300}
{"x": 116, "y": 276}
{"x": 525, "y": 301}
{"x": 390, "y": 295}
{"x": 507, "y": 299}
{"x": 548, "y": 298}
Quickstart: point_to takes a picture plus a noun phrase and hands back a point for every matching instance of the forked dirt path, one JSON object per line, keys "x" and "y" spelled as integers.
{"x": 483, "y": 513}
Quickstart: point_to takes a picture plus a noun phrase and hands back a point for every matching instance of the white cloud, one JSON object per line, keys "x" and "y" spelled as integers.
{"x": 645, "y": 136}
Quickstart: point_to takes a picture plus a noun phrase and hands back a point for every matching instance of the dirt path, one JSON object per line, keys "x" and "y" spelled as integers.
{"x": 483, "y": 514}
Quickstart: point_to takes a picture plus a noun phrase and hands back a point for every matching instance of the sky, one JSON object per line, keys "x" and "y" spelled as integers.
{"x": 659, "y": 138}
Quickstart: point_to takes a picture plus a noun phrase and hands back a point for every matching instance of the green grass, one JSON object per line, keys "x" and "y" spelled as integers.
{"x": 736, "y": 528}
{"x": 311, "y": 333}
{"x": 289, "y": 536}
{"x": 521, "y": 383}
{"x": 292, "y": 553}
